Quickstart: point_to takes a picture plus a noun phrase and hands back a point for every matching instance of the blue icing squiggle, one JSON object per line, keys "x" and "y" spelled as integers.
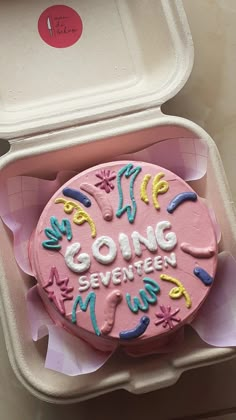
{"x": 77, "y": 195}
{"x": 179, "y": 199}
{"x": 89, "y": 301}
{"x": 137, "y": 331}
{"x": 128, "y": 171}
{"x": 54, "y": 234}
{"x": 203, "y": 275}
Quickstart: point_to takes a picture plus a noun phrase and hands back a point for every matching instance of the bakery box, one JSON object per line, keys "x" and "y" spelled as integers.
{"x": 81, "y": 84}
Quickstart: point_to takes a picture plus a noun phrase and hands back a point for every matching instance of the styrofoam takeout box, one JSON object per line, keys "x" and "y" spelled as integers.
{"x": 72, "y": 108}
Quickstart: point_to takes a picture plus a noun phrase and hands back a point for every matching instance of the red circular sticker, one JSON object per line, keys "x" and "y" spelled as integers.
{"x": 60, "y": 26}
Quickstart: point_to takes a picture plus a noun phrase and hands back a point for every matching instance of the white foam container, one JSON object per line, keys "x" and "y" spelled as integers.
{"x": 72, "y": 108}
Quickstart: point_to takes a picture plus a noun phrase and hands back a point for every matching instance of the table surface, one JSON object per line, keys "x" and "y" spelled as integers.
{"x": 207, "y": 99}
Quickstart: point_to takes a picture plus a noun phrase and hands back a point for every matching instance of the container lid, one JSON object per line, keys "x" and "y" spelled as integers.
{"x": 88, "y": 61}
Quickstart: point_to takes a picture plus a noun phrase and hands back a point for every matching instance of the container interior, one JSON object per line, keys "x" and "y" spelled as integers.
{"x": 131, "y": 55}
{"x": 135, "y": 375}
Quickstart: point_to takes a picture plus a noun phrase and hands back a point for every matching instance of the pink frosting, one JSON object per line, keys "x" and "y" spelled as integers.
{"x": 196, "y": 246}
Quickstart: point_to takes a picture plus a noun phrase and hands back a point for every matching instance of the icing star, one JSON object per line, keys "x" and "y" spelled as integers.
{"x": 106, "y": 176}
{"x": 62, "y": 285}
{"x": 167, "y": 317}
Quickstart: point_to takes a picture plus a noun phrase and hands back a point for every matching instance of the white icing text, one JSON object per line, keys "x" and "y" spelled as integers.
{"x": 154, "y": 238}
{"x": 104, "y": 250}
{"x": 124, "y": 274}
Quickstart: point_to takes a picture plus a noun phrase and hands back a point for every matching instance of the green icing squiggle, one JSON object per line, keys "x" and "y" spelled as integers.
{"x": 128, "y": 171}
{"x": 147, "y": 296}
{"x": 89, "y": 301}
{"x": 54, "y": 234}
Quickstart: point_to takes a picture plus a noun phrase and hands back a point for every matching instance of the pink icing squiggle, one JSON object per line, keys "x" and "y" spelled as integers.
{"x": 101, "y": 199}
{"x": 197, "y": 252}
{"x": 112, "y": 300}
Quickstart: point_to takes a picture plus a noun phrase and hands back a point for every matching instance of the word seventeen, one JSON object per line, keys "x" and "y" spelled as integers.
{"x": 124, "y": 274}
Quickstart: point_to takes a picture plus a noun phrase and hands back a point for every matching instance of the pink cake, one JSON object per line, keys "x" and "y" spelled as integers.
{"x": 124, "y": 253}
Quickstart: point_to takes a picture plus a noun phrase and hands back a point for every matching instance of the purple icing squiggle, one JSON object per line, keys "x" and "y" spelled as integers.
{"x": 137, "y": 331}
{"x": 203, "y": 275}
{"x": 77, "y": 195}
{"x": 179, "y": 199}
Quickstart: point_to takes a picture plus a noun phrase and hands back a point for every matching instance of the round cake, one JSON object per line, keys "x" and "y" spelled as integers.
{"x": 124, "y": 253}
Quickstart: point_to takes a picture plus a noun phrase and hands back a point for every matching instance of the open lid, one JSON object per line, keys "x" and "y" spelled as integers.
{"x": 109, "y": 57}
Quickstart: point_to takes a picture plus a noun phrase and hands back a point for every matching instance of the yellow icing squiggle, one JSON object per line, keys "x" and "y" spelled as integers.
{"x": 158, "y": 187}
{"x": 80, "y": 216}
{"x": 143, "y": 188}
{"x": 179, "y": 291}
